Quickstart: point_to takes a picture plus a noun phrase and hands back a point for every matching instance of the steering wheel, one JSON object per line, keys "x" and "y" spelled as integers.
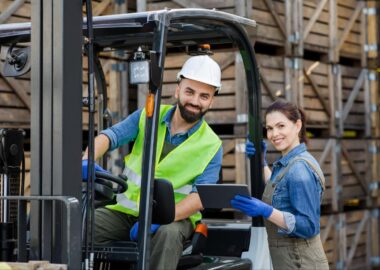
{"x": 103, "y": 186}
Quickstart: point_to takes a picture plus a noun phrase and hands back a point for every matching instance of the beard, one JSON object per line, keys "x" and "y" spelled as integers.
{"x": 189, "y": 116}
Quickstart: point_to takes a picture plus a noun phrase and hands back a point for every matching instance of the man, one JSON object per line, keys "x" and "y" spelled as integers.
{"x": 188, "y": 153}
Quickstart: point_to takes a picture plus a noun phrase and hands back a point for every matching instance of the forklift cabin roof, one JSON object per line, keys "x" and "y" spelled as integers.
{"x": 185, "y": 27}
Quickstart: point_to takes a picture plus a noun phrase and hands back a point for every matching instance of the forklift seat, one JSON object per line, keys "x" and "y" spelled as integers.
{"x": 125, "y": 253}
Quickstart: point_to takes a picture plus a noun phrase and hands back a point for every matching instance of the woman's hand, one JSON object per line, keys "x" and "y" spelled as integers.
{"x": 251, "y": 206}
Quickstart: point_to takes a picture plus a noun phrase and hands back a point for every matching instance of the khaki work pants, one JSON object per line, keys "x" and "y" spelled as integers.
{"x": 166, "y": 245}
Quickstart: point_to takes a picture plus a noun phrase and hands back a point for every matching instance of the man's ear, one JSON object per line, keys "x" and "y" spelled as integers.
{"x": 176, "y": 93}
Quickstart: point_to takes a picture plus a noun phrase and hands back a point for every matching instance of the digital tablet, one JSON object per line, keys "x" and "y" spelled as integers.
{"x": 220, "y": 195}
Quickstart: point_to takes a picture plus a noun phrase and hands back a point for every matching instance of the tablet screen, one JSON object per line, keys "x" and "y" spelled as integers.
{"x": 220, "y": 195}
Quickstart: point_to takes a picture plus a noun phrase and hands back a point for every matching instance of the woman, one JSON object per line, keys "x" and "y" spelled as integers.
{"x": 292, "y": 195}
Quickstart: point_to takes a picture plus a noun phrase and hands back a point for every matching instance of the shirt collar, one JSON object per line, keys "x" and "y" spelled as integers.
{"x": 284, "y": 160}
{"x": 168, "y": 117}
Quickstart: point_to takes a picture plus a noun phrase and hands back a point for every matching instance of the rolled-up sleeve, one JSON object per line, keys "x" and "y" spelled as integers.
{"x": 290, "y": 222}
{"x": 124, "y": 131}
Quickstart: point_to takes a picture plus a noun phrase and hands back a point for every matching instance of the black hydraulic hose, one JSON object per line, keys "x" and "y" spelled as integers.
{"x": 91, "y": 130}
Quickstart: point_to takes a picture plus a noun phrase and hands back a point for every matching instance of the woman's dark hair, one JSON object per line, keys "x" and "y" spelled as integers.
{"x": 292, "y": 112}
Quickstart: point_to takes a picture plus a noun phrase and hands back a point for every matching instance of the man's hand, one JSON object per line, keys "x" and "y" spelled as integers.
{"x": 133, "y": 234}
{"x": 85, "y": 169}
{"x": 251, "y": 206}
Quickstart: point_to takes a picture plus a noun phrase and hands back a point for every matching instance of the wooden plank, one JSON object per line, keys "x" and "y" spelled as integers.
{"x": 228, "y": 146}
{"x": 372, "y": 29}
{"x": 325, "y": 233}
{"x": 12, "y": 115}
{"x": 241, "y": 101}
{"x": 279, "y": 22}
{"x": 367, "y": 106}
{"x": 268, "y": 87}
{"x": 354, "y": 93}
{"x": 23, "y": 11}
{"x": 332, "y": 53}
{"x": 10, "y": 100}
{"x": 358, "y": 233}
{"x": 342, "y": 238}
{"x": 359, "y": 7}
{"x": 187, "y": 4}
{"x": 314, "y": 18}
{"x": 326, "y": 150}
{"x": 19, "y": 90}
{"x": 317, "y": 92}
{"x": 99, "y": 8}
{"x": 240, "y": 162}
{"x": 351, "y": 164}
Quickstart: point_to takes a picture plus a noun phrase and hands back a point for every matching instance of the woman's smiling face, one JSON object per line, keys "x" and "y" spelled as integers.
{"x": 281, "y": 132}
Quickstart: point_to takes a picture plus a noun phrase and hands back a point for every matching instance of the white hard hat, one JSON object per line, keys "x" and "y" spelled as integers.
{"x": 201, "y": 68}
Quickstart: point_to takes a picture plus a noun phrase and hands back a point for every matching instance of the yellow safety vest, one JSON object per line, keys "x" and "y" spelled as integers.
{"x": 181, "y": 166}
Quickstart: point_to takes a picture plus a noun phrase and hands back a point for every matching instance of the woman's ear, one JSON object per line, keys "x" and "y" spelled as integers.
{"x": 299, "y": 125}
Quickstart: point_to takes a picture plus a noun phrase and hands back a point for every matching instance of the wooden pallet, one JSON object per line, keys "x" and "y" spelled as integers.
{"x": 277, "y": 20}
{"x": 351, "y": 239}
{"x": 32, "y": 265}
{"x": 321, "y": 88}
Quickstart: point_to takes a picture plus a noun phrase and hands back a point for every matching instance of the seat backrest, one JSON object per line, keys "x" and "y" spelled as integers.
{"x": 163, "y": 211}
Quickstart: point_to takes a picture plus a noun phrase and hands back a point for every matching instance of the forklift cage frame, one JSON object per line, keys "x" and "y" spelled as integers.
{"x": 161, "y": 30}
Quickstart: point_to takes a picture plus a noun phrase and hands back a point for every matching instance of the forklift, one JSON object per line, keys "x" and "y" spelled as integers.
{"x": 146, "y": 38}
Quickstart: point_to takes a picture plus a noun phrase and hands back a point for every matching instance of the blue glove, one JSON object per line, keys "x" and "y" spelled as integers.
{"x": 251, "y": 206}
{"x": 251, "y": 150}
{"x": 264, "y": 148}
{"x": 85, "y": 168}
{"x": 133, "y": 234}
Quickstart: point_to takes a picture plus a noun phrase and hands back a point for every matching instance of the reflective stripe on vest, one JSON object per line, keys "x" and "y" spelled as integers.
{"x": 132, "y": 176}
{"x": 136, "y": 179}
{"x": 175, "y": 167}
{"x": 124, "y": 201}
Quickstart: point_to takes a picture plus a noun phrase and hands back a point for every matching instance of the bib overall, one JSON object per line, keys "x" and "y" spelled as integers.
{"x": 293, "y": 252}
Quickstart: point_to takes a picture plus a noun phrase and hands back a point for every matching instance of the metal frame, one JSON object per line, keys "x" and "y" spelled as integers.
{"x": 52, "y": 96}
{"x": 56, "y": 93}
{"x": 72, "y": 206}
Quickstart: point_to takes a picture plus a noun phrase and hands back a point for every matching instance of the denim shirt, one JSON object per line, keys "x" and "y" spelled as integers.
{"x": 298, "y": 194}
{"x": 127, "y": 130}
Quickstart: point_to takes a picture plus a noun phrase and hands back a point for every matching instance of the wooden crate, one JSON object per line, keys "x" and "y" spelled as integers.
{"x": 15, "y": 92}
{"x": 226, "y": 5}
{"x": 351, "y": 239}
{"x": 234, "y": 166}
{"x": 321, "y": 88}
{"x": 228, "y": 108}
{"x": 99, "y": 7}
{"x": 32, "y": 265}
{"x": 333, "y": 28}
